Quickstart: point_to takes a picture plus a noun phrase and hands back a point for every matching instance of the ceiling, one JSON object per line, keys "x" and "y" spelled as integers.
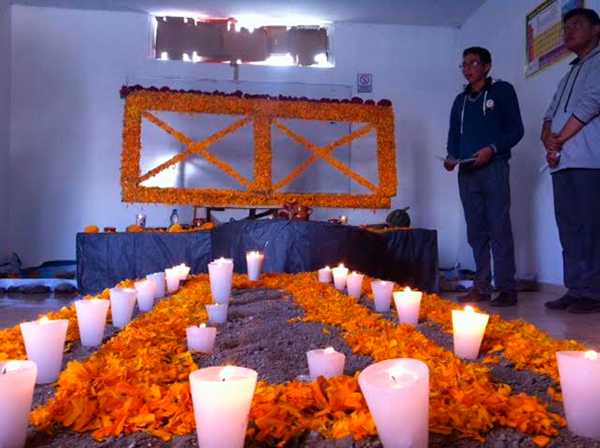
{"x": 452, "y": 13}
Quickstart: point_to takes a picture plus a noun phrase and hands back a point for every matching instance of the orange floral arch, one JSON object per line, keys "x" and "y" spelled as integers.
{"x": 263, "y": 114}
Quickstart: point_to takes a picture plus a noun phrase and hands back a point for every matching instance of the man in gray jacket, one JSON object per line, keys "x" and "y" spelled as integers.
{"x": 571, "y": 136}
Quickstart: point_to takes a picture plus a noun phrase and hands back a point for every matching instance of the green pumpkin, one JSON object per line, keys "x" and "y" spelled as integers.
{"x": 398, "y": 218}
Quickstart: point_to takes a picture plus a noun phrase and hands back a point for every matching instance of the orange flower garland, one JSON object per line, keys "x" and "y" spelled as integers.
{"x": 138, "y": 380}
{"x": 260, "y": 191}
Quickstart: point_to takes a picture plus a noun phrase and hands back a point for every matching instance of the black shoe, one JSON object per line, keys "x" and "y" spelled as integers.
{"x": 585, "y": 306}
{"x": 505, "y": 298}
{"x": 474, "y": 296}
{"x": 561, "y": 304}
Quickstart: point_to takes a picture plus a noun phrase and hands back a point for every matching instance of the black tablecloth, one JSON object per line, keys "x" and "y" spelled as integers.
{"x": 105, "y": 259}
{"x": 408, "y": 257}
{"x": 299, "y": 246}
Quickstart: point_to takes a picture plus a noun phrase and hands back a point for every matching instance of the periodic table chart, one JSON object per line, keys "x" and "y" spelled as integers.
{"x": 545, "y": 45}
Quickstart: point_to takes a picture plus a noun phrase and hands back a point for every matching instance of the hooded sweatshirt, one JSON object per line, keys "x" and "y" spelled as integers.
{"x": 578, "y": 95}
{"x": 490, "y": 117}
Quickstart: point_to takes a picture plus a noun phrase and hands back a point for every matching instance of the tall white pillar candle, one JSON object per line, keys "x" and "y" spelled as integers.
{"x": 408, "y": 304}
{"x": 217, "y": 313}
{"x": 159, "y": 280}
{"x": 122, "y": 303}
{"x": 325, "y": 362}
{"x": 382, "y": 294}
{"x": 254, "y": 260}
{"x": 146, "y": 290}
{"x": 222, "y": 397}
{"x": 325, "y": 275}
{"x": 339, "y": 277}
{"x": 468, "y": 328}
{"x": 221, "y": 276}
{"x": 17, "y": 380}
{"x": 397, "y": 394}
{"x": 91, "y": 320}
{"x": 184, "y": 271}
{"x": 44, "y": 343}
{"x": 173, "y": 278}
{"x": 354, "y": 282}
{"x": 580, "y": 384}
{"x": 201, "y": 339}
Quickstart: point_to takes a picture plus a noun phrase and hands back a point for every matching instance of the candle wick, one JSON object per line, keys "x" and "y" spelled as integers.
{"x": 3, "y": 370}
{"x": 393, "y": 378}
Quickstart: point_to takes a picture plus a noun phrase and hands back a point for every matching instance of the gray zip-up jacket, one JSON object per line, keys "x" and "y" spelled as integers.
{"x": 578, "y": 95}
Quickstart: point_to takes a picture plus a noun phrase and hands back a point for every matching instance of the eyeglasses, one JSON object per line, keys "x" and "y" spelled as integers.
{"x": 470, "y": 64}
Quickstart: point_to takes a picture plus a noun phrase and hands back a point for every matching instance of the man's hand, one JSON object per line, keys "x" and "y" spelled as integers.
{"x": 553, "y": 143}
{"x": 450, "y": 163}
{"x": 553, "y": 158}
{"x": 483, "y": 156}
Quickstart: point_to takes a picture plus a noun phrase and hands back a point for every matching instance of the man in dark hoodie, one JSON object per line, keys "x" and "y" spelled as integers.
{"x": 571, "y": 136}
{"x": 485, "y": 124}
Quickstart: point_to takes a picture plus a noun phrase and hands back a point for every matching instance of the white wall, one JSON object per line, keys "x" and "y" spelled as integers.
{"x": 66, "y": 118}
{"x": 499, "y": 25}
{"x": 4, "y": 120}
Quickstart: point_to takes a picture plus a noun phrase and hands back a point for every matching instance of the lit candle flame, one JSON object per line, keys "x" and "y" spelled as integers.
{"x": 44, "y": 320}
{"x": 202, "y": 325}
{"x": 226, "y": 373}
{"x": 329, "y": 350}
{"x": 327, "y": 268}
{"x": 469, "y": 309}
{"x": 383, "y": 283}
{"x": 407, "y": 289}
{"x": 341, "y": 266}
{"x": 591, "y": 354}
{"x": 10, "y": 366}
{"x": 96, "y": 301}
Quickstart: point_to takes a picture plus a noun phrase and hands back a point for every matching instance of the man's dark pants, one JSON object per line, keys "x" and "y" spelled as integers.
{"x": 577, "y": 210}
{"x": 485, "y": 196}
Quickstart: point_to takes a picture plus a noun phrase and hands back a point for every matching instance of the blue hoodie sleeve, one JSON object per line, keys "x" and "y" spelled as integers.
{"x": 512, "y": 125}
{"x": 453, "y": 146}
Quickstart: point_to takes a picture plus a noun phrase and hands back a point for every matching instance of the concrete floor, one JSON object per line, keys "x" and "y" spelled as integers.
{"x": 559, "y": 324}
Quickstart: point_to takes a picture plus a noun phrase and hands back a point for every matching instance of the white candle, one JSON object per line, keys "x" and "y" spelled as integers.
{"x": 339, "y": 277}
{"x": 184, "y": 271}
{"x": 91, "y": 320}
{"x": 354, "y": 283}
{"x": 397, "y": 394}
{"x": 201, "y": 339}
{"x": 221, "y": 276}
{"x": 146, "y": 289}
{"x": 382, "y": 293}
{"x": 159, "y": 280}
{"x": 173, "y": 278}
{"x": 325, "y": 362}
{"x": 408, "y": 304}
{"x": 17, "y": 380}
{"x": 217, "y": 313}
{"x": 468, "y": 328}
{"x": 222, "y": 397}
{"x": 122, "y": 303}
{"x": 580, "y": 384}
{"x": 325, "y": 275}
{"x": 254, "y": 260}
{"x": 44, "y": 343}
